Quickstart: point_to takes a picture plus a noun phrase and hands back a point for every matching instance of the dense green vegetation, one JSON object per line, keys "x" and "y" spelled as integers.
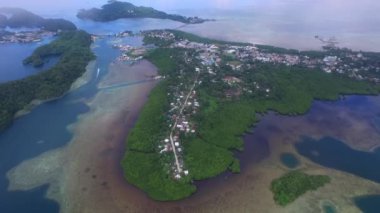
{"x": 143, "y": 165}
{"x": 146, "y": 133}
{"x": 180, "y": 35}
{"x": 292, "y": 185}
{"x": 23, "y": 18}
{"x": 146, "y": 172}
{"x": 222, "y": 121}
{"x": 74, "y": 51}
{"x": 294, "y": 89}
{"x": 206, "y": 160}
{"x": 191, "y": 37}
{"x": 116, "y": 10}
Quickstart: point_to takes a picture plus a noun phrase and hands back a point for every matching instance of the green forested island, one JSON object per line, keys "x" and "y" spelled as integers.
{"x": 193, "y": 122}
{"x": 292, "y": 185}
{"x": 117, "y": 10}
{"x": 73, "y": 50}
{"x": 22, "y": 18}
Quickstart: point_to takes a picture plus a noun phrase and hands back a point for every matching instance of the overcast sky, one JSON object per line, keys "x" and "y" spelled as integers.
{"x": 160, "y": 4}
{"x": 322, "y": 7}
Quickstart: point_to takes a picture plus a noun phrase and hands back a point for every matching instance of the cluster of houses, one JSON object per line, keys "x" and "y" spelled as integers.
{"x": 183, "y": 106}
{"x": 211, "y": 54}
{"x": 124, "y": 34}
{"x": 161, "y": 35}
{"x": 129, "y": 53}
{"x": 24, "y": 37}
{"x": 354, "y": 64}
{"x": 350, "y": 63}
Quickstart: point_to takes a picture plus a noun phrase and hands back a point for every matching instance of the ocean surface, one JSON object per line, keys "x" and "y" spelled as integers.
{"x": 284, "y": 23}
{"x": 294, "y": 24}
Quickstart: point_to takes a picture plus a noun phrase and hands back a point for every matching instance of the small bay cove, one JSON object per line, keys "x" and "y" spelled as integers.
{"x": 334, "y": 154}
{"x": 11, "y": 66}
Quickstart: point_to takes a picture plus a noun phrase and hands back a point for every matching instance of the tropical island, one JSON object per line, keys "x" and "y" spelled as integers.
{"x": 37, "y": 28}
{"x": 117, "y": 10}
{"x": 73, "y": 50}
{"x": 292, "y": 185}
{"x": 17, "y": 17}
{"x": 211, "y": 91}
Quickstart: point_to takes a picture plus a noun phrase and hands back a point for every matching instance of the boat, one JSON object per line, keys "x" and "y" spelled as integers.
{"x": 97, "y": 74}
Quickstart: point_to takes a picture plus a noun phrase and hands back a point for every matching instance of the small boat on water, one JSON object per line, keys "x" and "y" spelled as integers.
{"x": 97, "y": 74}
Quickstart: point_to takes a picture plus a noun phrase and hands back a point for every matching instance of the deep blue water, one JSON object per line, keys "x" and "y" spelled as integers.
{"x": 289, "y": 160}
{"x": 332, "y": 153}
{"x": 11, "y": 57}
{"x": 369, "y": 204}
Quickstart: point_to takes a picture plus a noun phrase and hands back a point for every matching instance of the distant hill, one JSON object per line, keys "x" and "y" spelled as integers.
{"x": 3, "y": 20}
{"x": 116, "y": 10}
{"x": 17, "y": 17}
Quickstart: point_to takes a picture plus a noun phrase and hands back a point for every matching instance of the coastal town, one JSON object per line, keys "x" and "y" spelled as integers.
{"x": 24, "y": 36}
{"x": 342, "y": 61}
{"x": 183, "y": 106}
{"x": 224, "y": 65}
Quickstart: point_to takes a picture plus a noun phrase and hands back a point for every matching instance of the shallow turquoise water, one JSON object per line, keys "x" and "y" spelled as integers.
{"x": 289, "y": 160}
{"x": 328, "y": 208}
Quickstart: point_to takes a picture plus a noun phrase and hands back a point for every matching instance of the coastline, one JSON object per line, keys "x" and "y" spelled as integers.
{"x": 91, "y": 161}
{"x": 84, "y": 79}
{"x": 92, "y": 171}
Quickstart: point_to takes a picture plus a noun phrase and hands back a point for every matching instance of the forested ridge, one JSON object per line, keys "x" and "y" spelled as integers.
{"x": 73, "y": 50}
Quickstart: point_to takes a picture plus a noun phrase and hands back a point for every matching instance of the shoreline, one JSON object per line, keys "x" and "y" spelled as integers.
{"x": 81, "y": 190}
{"x": 98, "y": 153}
{"x": 81, "y": 81}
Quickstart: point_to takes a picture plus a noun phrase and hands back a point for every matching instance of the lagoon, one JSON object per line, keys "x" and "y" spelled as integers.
{"x": 12, "y": 55}
{"x": 332, "y": 153}
{"x": 289, "y": 160}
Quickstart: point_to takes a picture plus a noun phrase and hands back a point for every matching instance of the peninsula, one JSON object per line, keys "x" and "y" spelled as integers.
{"x": 73, "y": 50}
{"x": 117, "y": 10}
{"x": 210, "y": 94}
